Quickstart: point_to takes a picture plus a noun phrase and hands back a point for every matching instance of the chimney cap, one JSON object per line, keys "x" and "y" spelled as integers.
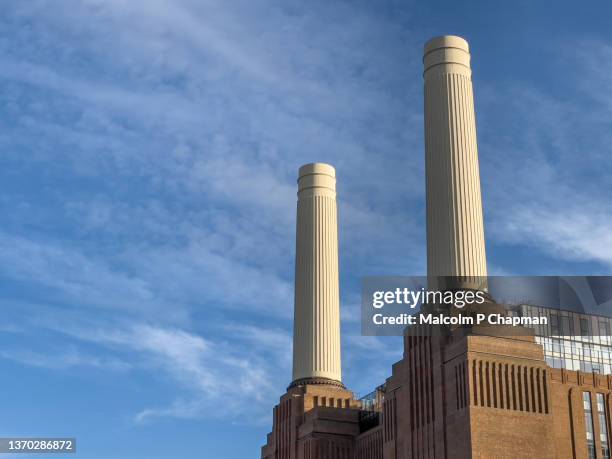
{"x": 317, "y": 169}
{"x": 446, "y": 41}
{"x": 446, "y": 54}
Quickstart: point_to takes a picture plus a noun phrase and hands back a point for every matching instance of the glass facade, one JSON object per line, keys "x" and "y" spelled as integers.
{"x": 573, "y": 340}
{"x": 374, "y": 400}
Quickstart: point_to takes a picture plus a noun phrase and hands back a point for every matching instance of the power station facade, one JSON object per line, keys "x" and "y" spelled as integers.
{"x": 468, "y": 392}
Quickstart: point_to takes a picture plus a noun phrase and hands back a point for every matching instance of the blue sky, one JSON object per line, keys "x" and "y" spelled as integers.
{"x": 148, "y": 157}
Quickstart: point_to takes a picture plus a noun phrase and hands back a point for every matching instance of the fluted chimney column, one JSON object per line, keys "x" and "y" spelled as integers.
{"x": 455, "y": 234}
{"x": 316, "y": 335}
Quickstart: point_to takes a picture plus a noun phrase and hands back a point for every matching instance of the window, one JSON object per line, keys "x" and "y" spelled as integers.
{"x": 603, "y": 427}
{"x": 595, "y": 367}
{"x": 554, "y": 325}
{"x": 567, "y": 326}
{"x": 584, "y": 327}
{"x": 588, "y": 422}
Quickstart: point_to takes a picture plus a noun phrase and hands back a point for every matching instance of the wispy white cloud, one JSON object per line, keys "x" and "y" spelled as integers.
{"x": 543, "y": 186}
{"x": 63, "y": 360}
{"x": 212, "y": 371}
{"x": 231, "y": 362}
{"x": 71, "y": 273}
{"x": 581, "y": 234}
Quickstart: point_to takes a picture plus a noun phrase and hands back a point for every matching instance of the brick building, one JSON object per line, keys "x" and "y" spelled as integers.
{"x": 464, "y": 392}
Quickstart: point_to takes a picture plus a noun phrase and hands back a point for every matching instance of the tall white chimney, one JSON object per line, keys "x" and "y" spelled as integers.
{"x": 316, "y": 335}
{"x": 455, "y": 234}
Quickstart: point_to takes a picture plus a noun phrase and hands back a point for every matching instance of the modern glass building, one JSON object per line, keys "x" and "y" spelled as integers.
{"x": 572, "y": 340}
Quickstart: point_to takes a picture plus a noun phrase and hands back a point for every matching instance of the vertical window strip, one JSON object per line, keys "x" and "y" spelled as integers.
{"x": 588, "y": 422}
{"x": 457, "y": 386}
{"x": 603, "y": 427}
